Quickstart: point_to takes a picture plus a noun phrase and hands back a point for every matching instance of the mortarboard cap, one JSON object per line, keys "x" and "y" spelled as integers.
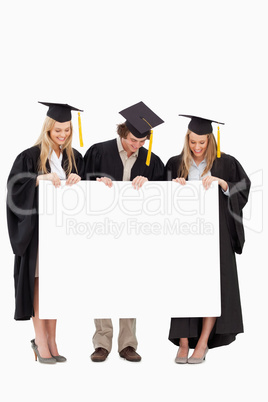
{"x": 59, "y": 111}
{"x": 62, "y": 112}
{"x": 140, "y": 119}
{"x": 199, "y": 125}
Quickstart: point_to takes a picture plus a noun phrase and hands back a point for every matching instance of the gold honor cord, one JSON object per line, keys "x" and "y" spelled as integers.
{"x": 80, "y": 130}
{"x": 148, "y": 159}
{"x": 218, "y": 144}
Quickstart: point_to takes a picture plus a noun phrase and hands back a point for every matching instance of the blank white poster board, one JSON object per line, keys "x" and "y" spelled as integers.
{"x": 121, "y": 252}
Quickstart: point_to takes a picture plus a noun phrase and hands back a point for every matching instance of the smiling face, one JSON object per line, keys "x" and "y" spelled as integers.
{"x": 198, "y": 145}
{"x": 60, "y": 132}
{"x": 131, "y": 143}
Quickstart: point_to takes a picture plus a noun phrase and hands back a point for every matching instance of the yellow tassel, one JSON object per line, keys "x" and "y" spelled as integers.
{"x": 148, "y": 160}
{"x": 218, "y": 144}
{"x": 80, "y": 130}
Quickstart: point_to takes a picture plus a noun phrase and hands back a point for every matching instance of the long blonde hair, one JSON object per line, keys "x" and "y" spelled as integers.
{"x": 45, "y": 144}
{"x": 187, "y": 156}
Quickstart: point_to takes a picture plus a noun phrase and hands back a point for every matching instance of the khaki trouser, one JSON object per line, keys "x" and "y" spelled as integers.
{"x": 104, "y": 334}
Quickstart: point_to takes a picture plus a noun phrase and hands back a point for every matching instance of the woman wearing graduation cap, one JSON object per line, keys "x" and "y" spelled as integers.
{"x": 124, "y": 159}
{"x": 201, "y": 159}
{"x": 51, "y": 158}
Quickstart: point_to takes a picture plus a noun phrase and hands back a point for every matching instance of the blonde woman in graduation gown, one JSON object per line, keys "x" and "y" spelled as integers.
{"x": 51, "y": 158}
{"x": 199, "y": 161}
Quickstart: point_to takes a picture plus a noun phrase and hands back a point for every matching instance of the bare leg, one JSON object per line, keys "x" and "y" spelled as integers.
{"x": 40, "y": 325}
{"x": 208, "y": 324}
{"x": 184, "y": 348}
{"x": 51, "y": 336}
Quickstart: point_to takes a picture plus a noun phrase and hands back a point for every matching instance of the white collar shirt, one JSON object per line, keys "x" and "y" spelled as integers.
{"x": 128, "y": 162}
{"x": 55, "y": 165}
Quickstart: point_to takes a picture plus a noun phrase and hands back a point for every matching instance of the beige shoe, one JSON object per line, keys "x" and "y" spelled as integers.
{"x": 181, "y": 360}
{"x": 195, "y": 360}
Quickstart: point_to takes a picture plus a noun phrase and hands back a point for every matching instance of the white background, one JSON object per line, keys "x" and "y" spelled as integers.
{"x": 192, "y": 57}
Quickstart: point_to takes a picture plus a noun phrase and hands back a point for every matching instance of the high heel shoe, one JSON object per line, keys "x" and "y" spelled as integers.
{"x": 59, "y": 358}
{"x": 182, "y": 360}
{"x": 46, "y": 360}
{"x": 195, "y": 360}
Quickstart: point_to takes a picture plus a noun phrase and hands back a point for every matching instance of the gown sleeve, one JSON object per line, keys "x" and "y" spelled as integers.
{"x": 79, "y": 161}
{"x": 158, "y": 170}
{"x": 171, "y": 168}
{"x": 22, "y": 207}
{"x": 92, "y": 163}
{"x": 239, "y": 186}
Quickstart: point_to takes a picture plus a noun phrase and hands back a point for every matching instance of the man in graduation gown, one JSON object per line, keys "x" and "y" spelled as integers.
{"x": 124, "y": 159}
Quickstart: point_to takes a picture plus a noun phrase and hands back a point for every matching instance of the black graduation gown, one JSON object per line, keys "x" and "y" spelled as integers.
{"x": 232, "y": 239}
{"x": 103, "y": 159}
{"x": 22, "y": 220}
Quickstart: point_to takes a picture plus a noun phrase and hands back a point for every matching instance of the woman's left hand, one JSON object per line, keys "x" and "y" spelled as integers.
{"x": 209, "y": 179}
{"x": 139, "y": 181}
{"x": 73, "y": 179}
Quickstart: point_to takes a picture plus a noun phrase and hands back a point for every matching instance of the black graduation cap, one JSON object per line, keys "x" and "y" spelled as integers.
{"x": 199, "y": 125}
{"x": 140, "y": 119}
{"x": 59, "y": 111}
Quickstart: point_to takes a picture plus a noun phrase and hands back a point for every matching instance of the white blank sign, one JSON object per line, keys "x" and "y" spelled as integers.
{"x": 121, "y": 252}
